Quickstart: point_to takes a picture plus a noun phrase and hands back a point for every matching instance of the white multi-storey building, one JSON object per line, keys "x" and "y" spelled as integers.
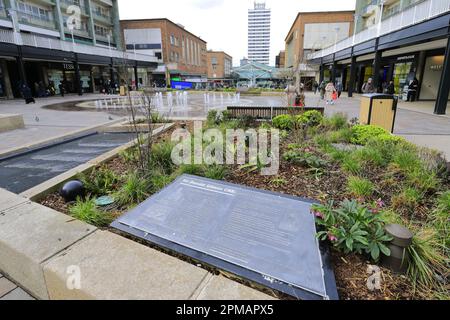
{"x": 259, "y": 33}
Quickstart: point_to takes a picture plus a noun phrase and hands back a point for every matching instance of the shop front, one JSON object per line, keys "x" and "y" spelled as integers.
{"x": 432, "y": 73}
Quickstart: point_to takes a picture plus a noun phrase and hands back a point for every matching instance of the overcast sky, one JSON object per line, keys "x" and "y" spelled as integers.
{"x": 223, "y": 23}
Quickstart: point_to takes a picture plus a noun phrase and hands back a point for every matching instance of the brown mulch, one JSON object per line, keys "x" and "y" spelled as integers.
{"x": 350, "y": 270}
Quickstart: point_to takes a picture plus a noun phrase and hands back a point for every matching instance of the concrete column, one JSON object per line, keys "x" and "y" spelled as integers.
{"x": 111, "y": 66}
{"x": 136, "y": 77}
{"x": 333, "y": 69}
{"x": 321, "y": 71}
{"x": 59, "y": 19}
{"x": 444, "y": 85}
{"x": 21, "y": 66}
{"x": 77, "y": 76}
{"x": 88, "y": 4}
{"x": 351, "y": 83}
{"x": 7, "y": 80}
{"x": 116, "y": 25}
{"x": 376, "y": 69}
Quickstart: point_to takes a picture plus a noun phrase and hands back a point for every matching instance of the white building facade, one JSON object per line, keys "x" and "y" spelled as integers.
{"x": 259, "y": 33}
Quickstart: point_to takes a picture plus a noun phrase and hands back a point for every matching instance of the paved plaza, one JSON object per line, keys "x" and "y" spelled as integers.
{"x": 10, "y": 291}
{"x": 415, "y": 121}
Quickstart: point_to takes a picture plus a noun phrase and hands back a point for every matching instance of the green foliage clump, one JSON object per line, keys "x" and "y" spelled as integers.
{"x": 336, "y": 122}
{"x": 362, "y": 133}
{"x": 311, "y": 118}
{"x": 360, "y": 187}
{"x": 162, "y": 156}
{"x": 87, "y": 211}
{"x": 100, "y": 181}
{"x": 215, "y": 172}
{"x": 353, "y": 227}
{"x": 305, "y": 159}
{"x": 283, "y": 122}
{"x": 134, "y": 191}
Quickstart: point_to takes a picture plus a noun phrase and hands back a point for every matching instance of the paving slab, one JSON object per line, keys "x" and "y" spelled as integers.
{"x": 30, "y": 234}
{"x": 9, "y": 200}
{"x": 17, "y": 294}
{"x": 113, "y": 267}
{"x": 6, "y": 286}
{"x": 221, "y": 288}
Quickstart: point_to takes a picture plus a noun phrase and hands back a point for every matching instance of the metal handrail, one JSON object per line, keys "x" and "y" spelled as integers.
{"x": 420, "y": 12}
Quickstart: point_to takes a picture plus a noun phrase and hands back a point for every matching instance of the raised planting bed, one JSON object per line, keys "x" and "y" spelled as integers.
{"x": 385, "y": 177}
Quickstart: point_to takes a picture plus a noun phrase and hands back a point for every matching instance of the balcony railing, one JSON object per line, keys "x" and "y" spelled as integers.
{"x": 67, "y": 3}
{"x": 102, "y": 18}
{"x": 8, "y": 36}
{"x": 78, "y": 32}
{"x": 421, "y": 12}
{"x": 37, "y": 21}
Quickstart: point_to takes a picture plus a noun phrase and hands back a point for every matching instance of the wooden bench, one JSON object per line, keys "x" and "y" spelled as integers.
{"x": 267, "y": 112}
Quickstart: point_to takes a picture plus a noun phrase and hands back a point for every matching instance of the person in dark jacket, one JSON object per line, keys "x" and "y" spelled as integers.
{"x": 390, "y": 89}
{"x": 412, "y": 90}
{"x": 27, "y": 95}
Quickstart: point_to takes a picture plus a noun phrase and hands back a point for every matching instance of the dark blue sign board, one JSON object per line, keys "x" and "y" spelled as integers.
{"x": 261, "y": 236}
{"x": 181, "y": 85}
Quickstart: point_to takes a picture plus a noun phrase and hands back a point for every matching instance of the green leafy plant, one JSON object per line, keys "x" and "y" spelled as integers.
{"x": 351, "y": 165}
{"x": 278, "y": 182}
{"x": 352, "y": 227}
{"x": 192, "y": 169}
{"x": 87, "y": 211}
{"x": 311, "y": 118}
{"x": 360, "y": 187}
{"x": 100, "y": 181}
{"x": 283, "y": 122}
{"x": 306, "y": 159}
{"x": 363, "y": 133}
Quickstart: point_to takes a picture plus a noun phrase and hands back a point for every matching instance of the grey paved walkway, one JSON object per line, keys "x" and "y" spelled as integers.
{"x": 10, "y": 291}
{"x": 42, "y": 124}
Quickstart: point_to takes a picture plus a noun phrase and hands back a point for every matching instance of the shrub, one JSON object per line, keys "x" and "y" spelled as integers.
{"x": 362, "y": 133}
{"x": 388, "y": 138}
{"x": 353, "y": 227}
{"x": 360, "y": 187}
{"x": 88, "y": 212}
{"x": 311, "y": 118}
{"x": 134, "y": 191}
{"x": 407, "y": 201}
{"x": 245, "y": 121}
{"x": 441, "y": 220}
{"x": 159, "y": 181}
{"x": 212, "y": 117}
{"x": 129, "y": 156}
{"x": 100, "y": 181}
{"x": 283, "y": 122}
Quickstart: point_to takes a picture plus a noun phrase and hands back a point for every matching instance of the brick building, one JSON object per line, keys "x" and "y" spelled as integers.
{"x": 220, "y": 65}
{"x": 312, "y": 31}
{"x": 181, "y": 54}
{"x": 280, "y": 59}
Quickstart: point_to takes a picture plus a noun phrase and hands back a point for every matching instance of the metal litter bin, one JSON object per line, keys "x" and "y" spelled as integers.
{"x": 379, "y": 109}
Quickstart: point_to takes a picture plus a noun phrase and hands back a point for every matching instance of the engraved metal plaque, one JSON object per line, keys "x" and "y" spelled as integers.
{"x": 266, "y": 237}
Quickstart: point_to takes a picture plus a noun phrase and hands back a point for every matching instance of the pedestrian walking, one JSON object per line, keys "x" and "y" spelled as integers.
{"x": 322, "y": 87}
{"x": 26, "y": 94}
{"x": 330, "y": 89}
{"x": 315, "y": 87}
{"x": 339, "y": 89}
